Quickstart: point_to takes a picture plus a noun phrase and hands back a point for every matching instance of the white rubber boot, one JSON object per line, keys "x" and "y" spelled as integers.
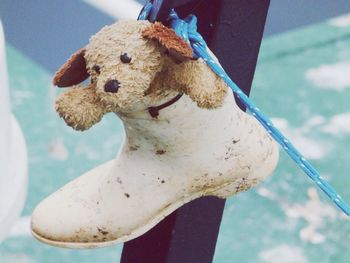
{"x": 164, "y": 163}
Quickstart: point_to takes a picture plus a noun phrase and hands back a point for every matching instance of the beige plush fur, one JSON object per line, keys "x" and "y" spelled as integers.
{"x": 153, "y": 75}
{"x": 80, "y": 107}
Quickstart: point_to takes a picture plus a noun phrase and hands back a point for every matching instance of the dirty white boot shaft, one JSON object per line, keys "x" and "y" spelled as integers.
{"x": 186, "y": 153}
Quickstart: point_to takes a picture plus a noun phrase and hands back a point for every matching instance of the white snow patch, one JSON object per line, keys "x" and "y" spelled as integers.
{"x": 21, "y": 227}
{"x": 125, "y": 9}
{"x": 16, "y": 257}
{"x": 313, "y": 211}
{"x": 338, "y": 124}
{"x": 312, "y": 149}
{"x": 19, "y": 96}
{"x": 266, "y": 193}
{"x": 314, "y": 121}
{"x": 58, "y": 150}
{"x": 333, "y": 76}
{"x": 341, "y": 21}
{"x": 283, "y": 254}
{"x": 280, "y": 123}
{"x": 87, "y": 151}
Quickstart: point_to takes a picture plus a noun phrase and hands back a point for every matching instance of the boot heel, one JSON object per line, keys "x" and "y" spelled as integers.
{"x": 232, "y": 188}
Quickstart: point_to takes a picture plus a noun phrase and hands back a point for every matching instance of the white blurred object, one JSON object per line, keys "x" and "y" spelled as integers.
{"x": 340, "y": 21}
{"x": 119, "y": 9}
{"x": 13, "y": 157}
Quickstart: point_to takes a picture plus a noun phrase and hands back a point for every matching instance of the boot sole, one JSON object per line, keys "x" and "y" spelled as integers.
{"x": 221, "y": 191}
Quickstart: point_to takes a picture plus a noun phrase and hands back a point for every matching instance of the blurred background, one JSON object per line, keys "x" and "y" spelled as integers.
{"x": 302, "y": 82}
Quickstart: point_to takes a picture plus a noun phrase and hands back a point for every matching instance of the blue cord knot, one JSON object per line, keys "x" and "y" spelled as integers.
{"x": 187, "y": 30}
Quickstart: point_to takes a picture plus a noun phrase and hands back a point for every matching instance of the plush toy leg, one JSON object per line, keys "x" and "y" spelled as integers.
{"x": 199, "y": 82}
{"x": 163, "y": 164}
{"x": 80, "y": 107}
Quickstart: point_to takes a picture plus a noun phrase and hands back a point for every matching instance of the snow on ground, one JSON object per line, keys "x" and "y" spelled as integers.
{"x": 314, "y": 212}
{"x": 283, "y": 253}
{"x": 311, "y": 148}
{"x": 58, "y": 150}
{"x": 341, "y": 21}
{"x": 18, "y": 96}
{"x": 339, "y": 124}
{"x": 21, "y": 227}
{"x": 16, "y": 257}
{"x": 330, "y": 76}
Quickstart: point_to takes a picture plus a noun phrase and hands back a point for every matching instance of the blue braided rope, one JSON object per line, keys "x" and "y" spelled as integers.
{"x": 146, "y": 10}
{"x": 187, "y": 29}
{"x": 150, "y": 10}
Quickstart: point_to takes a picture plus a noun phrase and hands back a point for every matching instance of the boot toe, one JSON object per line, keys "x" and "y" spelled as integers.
{"x": 54, "y": 221}
{"x": 70, "y": 215}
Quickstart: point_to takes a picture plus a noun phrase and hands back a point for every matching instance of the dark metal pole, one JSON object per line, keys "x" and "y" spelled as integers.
{"x": 233, "y": 30}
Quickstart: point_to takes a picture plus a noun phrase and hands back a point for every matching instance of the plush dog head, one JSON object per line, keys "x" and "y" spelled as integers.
{"x": 127, "y": 63}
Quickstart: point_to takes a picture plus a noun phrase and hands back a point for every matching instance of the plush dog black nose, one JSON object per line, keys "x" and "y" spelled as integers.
{"x": 112, "y": 86}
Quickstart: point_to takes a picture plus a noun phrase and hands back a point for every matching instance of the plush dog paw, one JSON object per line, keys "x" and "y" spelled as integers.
{"x": 80, "y": 107}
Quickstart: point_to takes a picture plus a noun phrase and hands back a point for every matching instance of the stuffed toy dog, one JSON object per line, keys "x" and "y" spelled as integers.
{"x": 185, "y": 137}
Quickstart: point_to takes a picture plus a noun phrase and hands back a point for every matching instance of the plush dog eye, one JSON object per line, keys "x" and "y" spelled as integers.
{"x": 125, "y": 58}
{"x": 96, "y": 68}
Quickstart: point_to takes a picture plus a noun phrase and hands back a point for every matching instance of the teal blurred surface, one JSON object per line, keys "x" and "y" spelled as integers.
{"x": 302, "y": 82}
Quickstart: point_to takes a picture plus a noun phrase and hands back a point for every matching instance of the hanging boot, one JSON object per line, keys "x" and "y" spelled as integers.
{"x": 185, "y": 137}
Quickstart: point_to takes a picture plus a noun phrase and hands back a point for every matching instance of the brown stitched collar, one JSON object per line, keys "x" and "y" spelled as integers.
{"x": 154, "y": 111}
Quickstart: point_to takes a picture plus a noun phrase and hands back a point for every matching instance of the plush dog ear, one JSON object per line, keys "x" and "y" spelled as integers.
{"x": 73, "y": 71}
{"x": 167, "y": 37}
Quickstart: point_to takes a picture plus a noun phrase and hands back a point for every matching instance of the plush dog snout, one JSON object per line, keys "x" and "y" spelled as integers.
{"x": 112, "y": 86}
